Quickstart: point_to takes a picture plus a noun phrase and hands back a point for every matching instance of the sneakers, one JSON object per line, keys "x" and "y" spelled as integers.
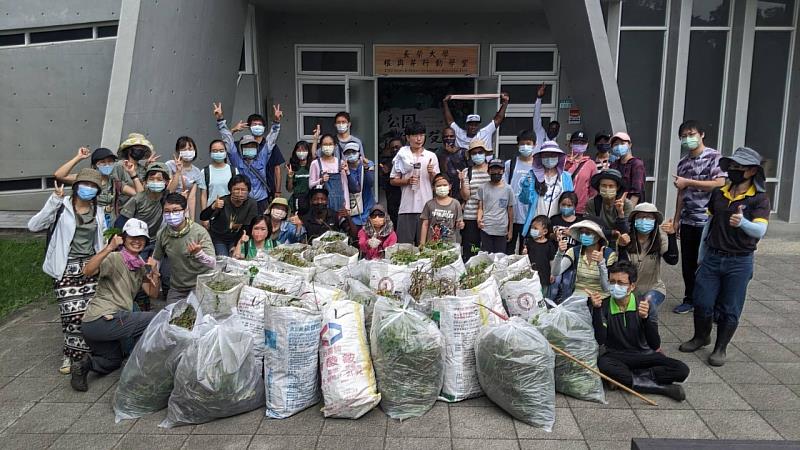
{"x": 80, "y": 370}
{"x": 683, "y": 308}
{"x": 65, "y": 366}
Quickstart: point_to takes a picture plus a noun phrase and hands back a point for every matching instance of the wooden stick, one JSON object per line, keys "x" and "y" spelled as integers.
{"x": 597, "y": 372}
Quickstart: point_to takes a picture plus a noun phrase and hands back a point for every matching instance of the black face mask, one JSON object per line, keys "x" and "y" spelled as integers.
{"x": 138, "y": 153}
{"x": 552, "y": 134}
{"x": 603, "y": 148}
{"x": 449, "y": 141}
{"x": 319, "y": 208}
{"x": 736, "y": 176}
{"x": 495, "y": 177}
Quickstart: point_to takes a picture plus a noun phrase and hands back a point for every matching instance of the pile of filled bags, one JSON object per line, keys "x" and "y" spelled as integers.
{"x": 313, "y": 322}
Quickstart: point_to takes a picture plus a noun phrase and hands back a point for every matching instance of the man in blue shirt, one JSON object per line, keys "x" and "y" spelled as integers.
{"x": 360, "y": 182}
{"x": 256, "y": 156}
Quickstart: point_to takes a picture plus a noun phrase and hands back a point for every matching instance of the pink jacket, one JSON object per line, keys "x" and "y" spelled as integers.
{"x": 582, "y": 180}
{"x": 374, "y": 253}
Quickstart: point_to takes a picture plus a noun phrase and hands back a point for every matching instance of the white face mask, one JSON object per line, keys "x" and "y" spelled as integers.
{"x": 187, "y": 155}
{"x": 302, "y": 156}
{"x": 278, "y": 214}
{"x": 442, "y": 191}
{"x": 342, "y": 127}
{"x": 327, "y": 150}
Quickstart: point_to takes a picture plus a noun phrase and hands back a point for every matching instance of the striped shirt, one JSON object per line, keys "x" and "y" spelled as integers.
{"x": 704, "y": 167}
{"x": 587, "y": 275}
{"x": 479, "y": 178}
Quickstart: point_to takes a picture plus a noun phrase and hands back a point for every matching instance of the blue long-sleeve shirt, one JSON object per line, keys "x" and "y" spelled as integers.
{"x": 256, "y": 169}
{"x": 367, "y": 193}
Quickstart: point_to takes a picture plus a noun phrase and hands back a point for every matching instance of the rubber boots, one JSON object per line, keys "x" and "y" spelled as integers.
{"x": 702, "y": 334}
{"x": 644, "y": 382}
{"x": 725, "y": 331}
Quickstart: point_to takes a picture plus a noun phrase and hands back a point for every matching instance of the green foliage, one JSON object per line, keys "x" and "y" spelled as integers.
{"x": 23, "y": 281}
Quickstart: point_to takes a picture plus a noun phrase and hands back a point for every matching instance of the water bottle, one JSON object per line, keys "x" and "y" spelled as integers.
{"x": 415, "y": 173}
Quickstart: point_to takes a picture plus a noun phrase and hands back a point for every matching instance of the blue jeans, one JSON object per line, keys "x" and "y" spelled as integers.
{"x": 656, "y": 299}
{"x": 721, "y": 284}
{"x": 222, "y": 249}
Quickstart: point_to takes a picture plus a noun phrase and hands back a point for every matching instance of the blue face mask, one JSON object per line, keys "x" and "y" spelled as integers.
{"x": 249, "y": 152}
{"x": 587, "y": 239}
{"x": 479, "y": 159}
{"x": 86, "y": 192}
{"x": 526, "y": 150}
{"x": 257, "y": 130}
{"x": 567, "y": 212}
{"x": 618, "y": 291}
{"x": 156, "y": 186}
{"x": 218, "y": 156}
{"x": 351, "y": 157}
{"x": 105, "y": 169}
{"x": 621, "y": 150}
{"x": 644, "y": 226}
{"x": 550, "y": 162}
{"x": 535, "y": 233}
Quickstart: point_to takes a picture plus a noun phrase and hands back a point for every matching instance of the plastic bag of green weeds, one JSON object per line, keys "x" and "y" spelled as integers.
{"x": 568, "y": 326}
{"x": 218, "y": 293}
{"x": 515, "y": 369}
{"x": 408, "y": 355}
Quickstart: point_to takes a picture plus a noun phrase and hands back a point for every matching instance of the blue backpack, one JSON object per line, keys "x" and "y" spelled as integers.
{"x": 564, "y": 286}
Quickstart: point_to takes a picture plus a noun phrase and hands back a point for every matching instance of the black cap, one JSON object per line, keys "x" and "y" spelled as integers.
{"x": 602, "y": 134}
{"x": 318, "y": 189}
{"x": 102, "y": 153}
{"x": 579, "y": 136}
{"x": 497, "y": 163}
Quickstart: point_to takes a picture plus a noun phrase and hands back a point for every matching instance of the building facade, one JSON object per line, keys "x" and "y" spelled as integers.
{"x": 89, "y": 73}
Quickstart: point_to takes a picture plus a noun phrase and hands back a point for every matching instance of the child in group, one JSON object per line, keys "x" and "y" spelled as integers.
{"x": 495, "y": 210}
{"x": 190, "y": 177}
{"x": 541, "y": 250}
{"x": 297, "y": 174}
{"x": 376, "y": 234}
{"x": 567, "y": 216}
{"x": 441, "y": 217}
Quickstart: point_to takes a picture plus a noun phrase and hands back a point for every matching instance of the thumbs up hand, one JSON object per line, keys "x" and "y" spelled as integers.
{"x": 431, "y": 169}
{"x": 218, "y": 203}
{"x": 736, "y": 219}
{"x": 244, "y": 237}
{"x": 597, "y": 255}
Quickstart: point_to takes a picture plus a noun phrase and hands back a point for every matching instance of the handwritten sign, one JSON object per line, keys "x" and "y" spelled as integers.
{"x": 426, "y": 60}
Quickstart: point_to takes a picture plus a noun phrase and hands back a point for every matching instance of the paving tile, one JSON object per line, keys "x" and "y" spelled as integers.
{"x": 773, "y": 352}
{"x": 45, "y": 366}
{"x": 63, "y": 392}
{"x": 700, "y": 372}
{"x": 308, "y": 423}
{"x": 564, "y": 428}
{"x": 611, "y": 424}
{"x": 610, "y": 445}
{"x": 674, "y": 424}
{"x": 149, "y": 425}
{"x": 11, "y": 411}
{"x": 86, "y": 441}
{"x": 750, "y": 334}
{"x": 787, "y": 423}
{"x": 49, "y": 418}
{"x": 134, "y": 441}
{"x": 469, "y": 422}
{"x": 792, "y": 307}
{"x": 218, "y": 441}
{"x": 784, "y": 335}
{"x": 661, "y": 401}
{"x": 472, "y": 402}
{"x": 547, "y": 445}
{"x": 714, "y": 396}
{"x": 756, "y": 307}
{"x": 246, "y": 423}
{"x": 744, "y": 372}
{"x": 615, "y": 399}
{"x": 768, "y": 397}
{"x": 372, "y": 423}
{"x": 348, "y": 442}
{"x": 435, "y": 423}
{"x": 738, "y": 425}
{"x": 264, "y": 442}
{"x": 485, "y": 444}
{"x": 5, "y": 380}
{"x": 395, "y": 443}
{"x": 12, "y": 441}
{"x": 733, "y": 354}
{"x": 767, "y": 319}
{"x": 99, "y": 418}
{"x": 787, "y": 373}
{"x": 27, "y": 389}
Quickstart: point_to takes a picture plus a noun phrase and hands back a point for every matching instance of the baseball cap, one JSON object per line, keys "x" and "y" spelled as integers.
{"x": 247, "y": 139}
{"x": 102, "y": 153}
{"x": 352, "y": 146}
{"x": 135, "y": 227}
{"x": 474, "y": 118}
{"x": 579, "y": 136}
{"x": 497, "y": 163}
{"x": 602, "y": 134}
{"x": 622, "y": 136}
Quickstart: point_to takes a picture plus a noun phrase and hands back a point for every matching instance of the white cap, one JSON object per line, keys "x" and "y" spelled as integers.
{"x": 352, "y": 146}
{"x": 135, "y": 227}
{"x": 474, "y": 118}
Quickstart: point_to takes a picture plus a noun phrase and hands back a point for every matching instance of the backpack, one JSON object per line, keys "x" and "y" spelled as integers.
{"x": 52, "y": 228}
{"x": 207, "y": 173}
{"x": 564, "y": 286}
{"x": 511, "y": 166}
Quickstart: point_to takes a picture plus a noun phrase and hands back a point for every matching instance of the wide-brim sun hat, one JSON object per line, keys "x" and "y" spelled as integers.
{"x": 608, "y": 174}
{"x": 89, "y": 175}
{"x": 550, "y": 147}
{"x": 575, "y": 230}
{"x": 646, "y": 208}
{"x": 478, "y": 143}
{"x": 132, "y": 140}
{"x": 746, "y": 157}
{"x": 280, "y": 201}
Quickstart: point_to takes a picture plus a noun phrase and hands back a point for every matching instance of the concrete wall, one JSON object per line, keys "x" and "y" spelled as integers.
{"x": 52, "y": 96}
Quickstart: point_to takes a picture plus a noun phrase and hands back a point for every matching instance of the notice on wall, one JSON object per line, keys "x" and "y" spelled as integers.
{"x": 574, "y": 116}
{"x": 426, "y": 60}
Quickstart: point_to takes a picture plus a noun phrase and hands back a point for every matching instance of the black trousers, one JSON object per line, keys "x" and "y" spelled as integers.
{"x": 393, "y": 197}
{"x": 470, "y": 239}
{"x": 690, "y": 247}
{"x": 108, "y": 339}
{"x": 493, "y": 244}
{"x": 620, "y": 367}
{"x": 517, "y": 240}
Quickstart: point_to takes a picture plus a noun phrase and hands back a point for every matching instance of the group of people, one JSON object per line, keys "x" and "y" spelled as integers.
{"x": 583, "y": 221}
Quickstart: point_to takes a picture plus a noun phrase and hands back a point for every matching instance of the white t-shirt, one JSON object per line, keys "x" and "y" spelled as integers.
{"x": 218, "y": 181}
{"x": 412, "y": 201}
{"x": 548, "y": 203}
{"x": 486, "y": 134}
{"x": 190, "y": 177}
{"x": 521, "y": 171}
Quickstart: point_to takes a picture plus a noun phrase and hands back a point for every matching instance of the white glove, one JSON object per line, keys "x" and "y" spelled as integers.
{"x": 373, "y": 242}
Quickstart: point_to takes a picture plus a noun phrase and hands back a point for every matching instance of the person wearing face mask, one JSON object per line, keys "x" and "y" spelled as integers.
{"x": 227, "y": 215}
{"x": 625, "y": 324}
{"x": 601, "y": 143}
{"x": 582, "y": 269}
{"x": 110, "y": 320}
{"x": 495, "y": 210}
{"x": 147, "y": 205}
{"x": 632, "y": 168}
{"x": 393, "y": 193}
{"x": 343, "y": 136}
{"x": 297, "y": 174}
{"x": 541, "y": 250}
{"x": 582, "y": 169}
{"x": 135, "y": 150}
{"x": 473, "y": 124}
{"x": 739, "y": 214}
{"x": 441, "y": 217}
{"x": 256, "y": 155}
{"x": 545, "y": 182}
{"x": 452, "y": 159}
{"x": 377, "y": 234}
{"x": 413, "y": 170}
{"x": 268, "y": 231}
{"x": 75, "y": 227}
{"x": 191, "y": 177}
{"x": 216, "y": 175}
{"x": 472, "y": 179}
{"x": 698, "y": 174}
{"x": 565, "y": 218}
{"x": 331, "y": 171}
{"x": 320, "y": 218}
{"x": 187, "y": 245}
{"x": 610, "y": 205}
{"x": 652, "y": 240}
{"x": 516, "y": 170}
{"x": 104, "y": 162}
{"x": 257, "y": 243}
{"x": 360, "y": 182}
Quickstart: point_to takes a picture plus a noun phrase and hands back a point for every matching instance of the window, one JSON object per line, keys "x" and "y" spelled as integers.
{"x": 644, "y": 13}
{"x": 775, "y": 13}
{"x": 328, "y": 60}
{"x": 310, "y": 121}
{"x": 107, "y": 31}
{"x": 12, "y": 39}
{"x": 710, "y": 13}
{"x": 524, "y": 60}
{"x": 38, "y": 36}
{"x": 322, "y": 92}
{"x": 524, "y": 93}
{"x": 73, "y": 34}
{"x": 24, "y": 184}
